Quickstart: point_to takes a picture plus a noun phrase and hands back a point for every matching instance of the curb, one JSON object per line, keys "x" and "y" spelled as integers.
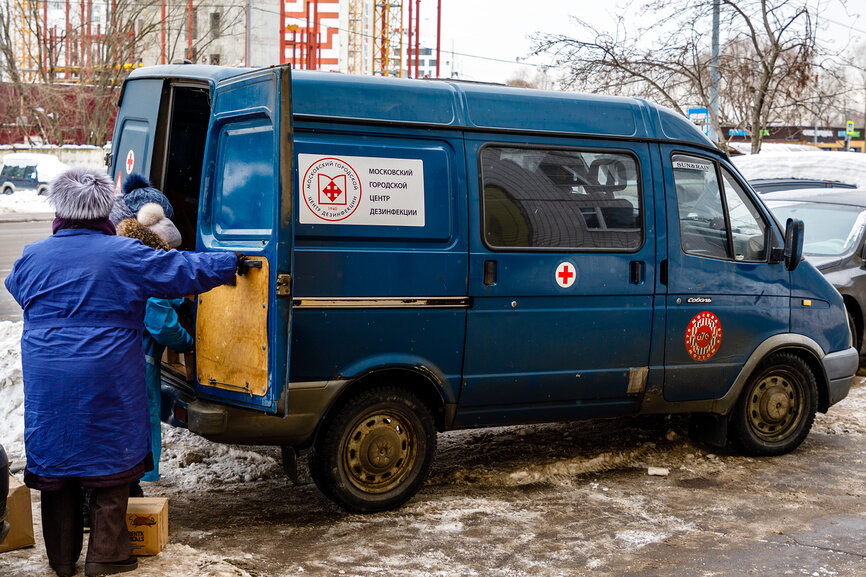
{"x": 13, "y": 217}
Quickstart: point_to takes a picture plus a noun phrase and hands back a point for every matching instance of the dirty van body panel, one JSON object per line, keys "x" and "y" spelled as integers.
{"x": 136, "y": 127}
{"x": 382, "y": 285}
{"x": 718, "y": 308}
{"x": 242, "y": 331}
{"x": 562, "y": 268}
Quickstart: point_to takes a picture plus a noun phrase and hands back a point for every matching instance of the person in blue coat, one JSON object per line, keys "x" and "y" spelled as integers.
{"x": 84, "y": 292}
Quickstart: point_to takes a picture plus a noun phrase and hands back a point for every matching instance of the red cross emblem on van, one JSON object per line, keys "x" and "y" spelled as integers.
{"x": 332, "y": 190}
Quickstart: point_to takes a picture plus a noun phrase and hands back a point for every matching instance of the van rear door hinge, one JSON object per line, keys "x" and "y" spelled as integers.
{"x": 284, "y": 285}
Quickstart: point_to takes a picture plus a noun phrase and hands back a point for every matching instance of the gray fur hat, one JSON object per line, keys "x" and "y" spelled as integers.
{"x": 82, "y": 194}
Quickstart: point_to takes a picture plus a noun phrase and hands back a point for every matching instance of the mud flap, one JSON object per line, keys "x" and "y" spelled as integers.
{"x": 709, "y": 428}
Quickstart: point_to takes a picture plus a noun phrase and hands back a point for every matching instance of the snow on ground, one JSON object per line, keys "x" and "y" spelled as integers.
{"x": 11, "y": 392}
{"x": 847, "y": 167}
{"x": 24, "y": 201}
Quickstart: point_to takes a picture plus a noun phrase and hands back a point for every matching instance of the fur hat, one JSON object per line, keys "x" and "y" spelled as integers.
{"x": 131, "y": 228}
{"x": 82, "y": 194}
{"x": 152, "y": 216}
{"x": 137, "y": 191}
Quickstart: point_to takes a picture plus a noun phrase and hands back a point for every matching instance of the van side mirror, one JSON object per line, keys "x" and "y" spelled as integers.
{"x": 793, "y": 243}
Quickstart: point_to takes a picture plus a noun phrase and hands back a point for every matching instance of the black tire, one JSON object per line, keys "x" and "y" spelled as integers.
{"x": 42, "y": 191}
{"x": 398, "y": 426}
{"x": 776, "y": 408}
{"x": 8, "y": 190}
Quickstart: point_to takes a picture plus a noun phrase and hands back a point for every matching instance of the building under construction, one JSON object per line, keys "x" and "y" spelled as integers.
{"x": 64, "y": 39}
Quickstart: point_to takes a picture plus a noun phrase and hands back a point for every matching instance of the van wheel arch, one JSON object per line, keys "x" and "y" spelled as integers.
{"x": 420, "y": 384}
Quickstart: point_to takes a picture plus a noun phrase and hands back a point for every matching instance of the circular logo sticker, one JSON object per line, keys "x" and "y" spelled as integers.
{"x": 566, "y": 274}
{"x": 130, "y": 161}
{"x": 332, "y": 189}
{"x": 703, "y": 336}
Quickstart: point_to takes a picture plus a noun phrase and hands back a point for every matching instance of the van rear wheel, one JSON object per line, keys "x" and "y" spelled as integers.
{"x": 775, "y": 411}
{"x": 376, "y": 451}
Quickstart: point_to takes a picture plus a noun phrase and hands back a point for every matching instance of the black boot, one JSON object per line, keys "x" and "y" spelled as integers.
{"x": 135, "y": 489}
{"x": 92, "y": 569}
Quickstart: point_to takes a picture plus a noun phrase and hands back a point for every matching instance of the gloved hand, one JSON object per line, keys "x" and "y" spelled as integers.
{"x": 245, "y": 263}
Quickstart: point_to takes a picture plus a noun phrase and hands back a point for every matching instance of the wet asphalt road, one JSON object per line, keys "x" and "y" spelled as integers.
{"x": 13, "y": 237}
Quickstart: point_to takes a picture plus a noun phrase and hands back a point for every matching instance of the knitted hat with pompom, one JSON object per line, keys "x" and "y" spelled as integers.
{"x": 137, "y": 191}
{"x": 152, "y": 216}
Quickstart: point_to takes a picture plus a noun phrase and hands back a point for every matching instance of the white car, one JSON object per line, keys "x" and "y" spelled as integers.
{"x": 29, "y": 171}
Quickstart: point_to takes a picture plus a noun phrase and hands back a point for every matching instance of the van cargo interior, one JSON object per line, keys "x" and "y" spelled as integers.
{"x": 179, "y": 177}
{"x": 178, "y": 174}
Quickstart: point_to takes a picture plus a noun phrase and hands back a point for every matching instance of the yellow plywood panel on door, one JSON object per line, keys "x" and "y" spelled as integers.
{"x": 231, "y": 335}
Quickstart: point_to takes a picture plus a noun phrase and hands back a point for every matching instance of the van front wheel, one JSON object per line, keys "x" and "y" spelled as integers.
{"x": 376, "y": 451}
{"x": 776, "y": 409}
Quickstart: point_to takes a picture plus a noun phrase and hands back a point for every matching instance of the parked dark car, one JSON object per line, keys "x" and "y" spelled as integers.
{"x": 763, "y": 185}
{"x": 4, "y": 490}
{"x": 29, "y": 171}
{"x": 834, "y": 221}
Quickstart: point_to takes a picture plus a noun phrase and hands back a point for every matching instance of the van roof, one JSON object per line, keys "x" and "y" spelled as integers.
{"x": 445, "y": 103}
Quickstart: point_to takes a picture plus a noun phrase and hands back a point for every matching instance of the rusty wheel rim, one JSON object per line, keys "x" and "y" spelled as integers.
{"x": 380, "y": 451}
{"x": 775, "y": 406}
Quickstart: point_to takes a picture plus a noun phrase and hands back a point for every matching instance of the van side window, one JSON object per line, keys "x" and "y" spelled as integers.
{"x": 560, "y": 199}
{"x": 699, "y": 199}
{"x": 710, "y": 224}
{"x": 748, "y": 229}
{"x": 245, "y": 185}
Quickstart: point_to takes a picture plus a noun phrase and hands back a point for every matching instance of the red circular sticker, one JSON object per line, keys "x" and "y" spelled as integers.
{"x": 703, "y": 336}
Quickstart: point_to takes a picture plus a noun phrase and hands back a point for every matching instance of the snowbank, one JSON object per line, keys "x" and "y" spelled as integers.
{"x": 11, "y": 392}
{"x": 24, "y": 201}
{"x": 746, "y": 147}
{"x": 847, "y": 167}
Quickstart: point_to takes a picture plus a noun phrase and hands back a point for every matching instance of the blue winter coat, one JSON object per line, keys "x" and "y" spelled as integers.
{"x": 161, "y": 329}
{"x": 84, "y": 294}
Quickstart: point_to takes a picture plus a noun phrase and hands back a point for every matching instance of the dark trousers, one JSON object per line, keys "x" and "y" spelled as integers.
{"x": 63, "y": 524}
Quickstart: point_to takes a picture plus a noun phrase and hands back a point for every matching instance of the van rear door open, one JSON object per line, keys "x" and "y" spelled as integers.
{"x": 135, "y": 128}
{"x": 242, "y": 331}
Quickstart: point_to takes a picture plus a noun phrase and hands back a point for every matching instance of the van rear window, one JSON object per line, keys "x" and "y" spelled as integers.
{"x": 560, "y": 199}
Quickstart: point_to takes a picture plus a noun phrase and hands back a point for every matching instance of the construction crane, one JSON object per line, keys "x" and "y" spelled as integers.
{"x": 388, "y": 38}
{"x": 356, "y": 37}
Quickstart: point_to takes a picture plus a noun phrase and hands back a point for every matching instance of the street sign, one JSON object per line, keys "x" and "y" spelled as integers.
{"x": 701, "y": 117}
{"x": 849, "y": 128}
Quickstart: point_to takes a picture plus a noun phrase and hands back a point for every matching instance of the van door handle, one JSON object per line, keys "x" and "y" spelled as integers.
{"x": 489, "y": 272}
{"x": 636, "y": 270}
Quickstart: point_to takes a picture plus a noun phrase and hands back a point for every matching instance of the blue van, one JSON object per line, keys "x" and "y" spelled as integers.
{"x": 434, "y": 255}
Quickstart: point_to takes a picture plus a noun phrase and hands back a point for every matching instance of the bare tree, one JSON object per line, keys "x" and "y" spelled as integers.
{"x": 66, "y": 82}
{"x": 768, "y": 56}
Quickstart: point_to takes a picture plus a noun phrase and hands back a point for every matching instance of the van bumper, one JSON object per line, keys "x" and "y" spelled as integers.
{"x": 840, "y": 368}
{"x": 230, "y": 424}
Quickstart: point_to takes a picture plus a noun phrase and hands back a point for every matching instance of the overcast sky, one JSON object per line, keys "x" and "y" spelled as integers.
{"x": 500, "y": 30}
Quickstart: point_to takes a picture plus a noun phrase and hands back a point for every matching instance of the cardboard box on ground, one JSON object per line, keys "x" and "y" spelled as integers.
{"x": 147, "y": 522}
{"x": 20, "y": 517}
